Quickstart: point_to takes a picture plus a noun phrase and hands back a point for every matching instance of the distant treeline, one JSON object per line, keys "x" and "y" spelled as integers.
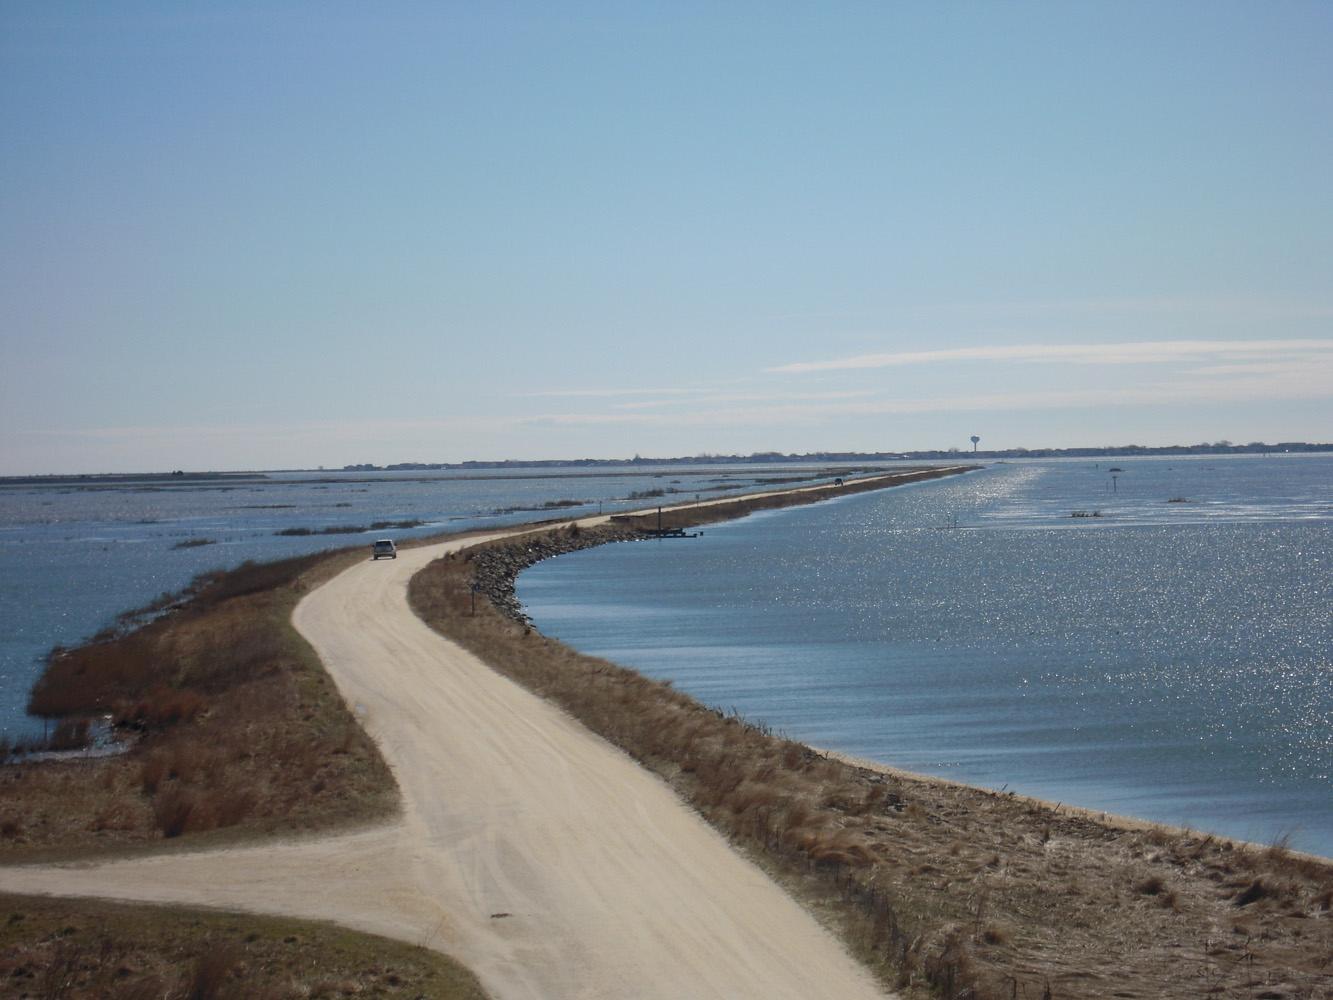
{"x": 1117, "y": 451}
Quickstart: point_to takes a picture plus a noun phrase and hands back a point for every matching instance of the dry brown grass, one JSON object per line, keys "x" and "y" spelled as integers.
{"x": 234, "y": 729}
{"x": 87, "y": 950}
{"x": 944, "y": 889}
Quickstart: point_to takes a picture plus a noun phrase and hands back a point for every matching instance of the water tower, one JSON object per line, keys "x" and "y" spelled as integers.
{"x": 975, "y": 441}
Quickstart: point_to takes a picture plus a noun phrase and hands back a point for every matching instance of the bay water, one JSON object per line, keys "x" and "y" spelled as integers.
{"x": 1150, "y": 637}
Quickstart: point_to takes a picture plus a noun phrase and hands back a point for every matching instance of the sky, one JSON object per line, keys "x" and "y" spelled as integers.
{"x": 286, "y": 235}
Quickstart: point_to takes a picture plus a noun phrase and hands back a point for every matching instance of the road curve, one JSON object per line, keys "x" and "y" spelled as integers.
{"x": 529, "y": 849}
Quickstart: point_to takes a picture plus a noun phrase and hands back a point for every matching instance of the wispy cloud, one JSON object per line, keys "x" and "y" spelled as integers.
{"x": 606, "y": 393}
{"x": 1290, "y": 367}
{"x": 1141, "y": 352}
{"x": 1250, "y": 309}
{"x": 745, "y": 397}
{"x": 1312, "y": 378}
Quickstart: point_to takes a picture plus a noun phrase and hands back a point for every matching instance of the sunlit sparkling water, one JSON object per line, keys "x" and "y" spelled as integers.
{"x": 1171, "y": 660}
{"x": 74, "y": 554}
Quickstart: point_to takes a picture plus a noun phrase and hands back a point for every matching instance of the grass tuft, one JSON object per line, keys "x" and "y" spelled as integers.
{"x": 212, "y": 969}
{"x": 1151, "y": 886}
{"x": 172, "y": 810}
{"x": 1255, "y": 891}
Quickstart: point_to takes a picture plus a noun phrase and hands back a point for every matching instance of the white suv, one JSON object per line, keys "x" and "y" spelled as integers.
{"x": 384, "y": 547}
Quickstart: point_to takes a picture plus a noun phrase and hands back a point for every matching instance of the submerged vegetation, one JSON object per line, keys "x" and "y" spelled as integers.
{"x": 195, "y": 543}
{"x": 348, "y": 529}
{"x": 564, "y": 504}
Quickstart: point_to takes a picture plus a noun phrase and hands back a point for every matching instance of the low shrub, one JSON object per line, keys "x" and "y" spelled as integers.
{"x": 70, "y": 734}
{"x": 1151, "y": 886}
{"x": 171, "y": 811}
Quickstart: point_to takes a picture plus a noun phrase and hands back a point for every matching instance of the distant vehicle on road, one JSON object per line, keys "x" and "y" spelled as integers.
{"x": 384, "y": 547}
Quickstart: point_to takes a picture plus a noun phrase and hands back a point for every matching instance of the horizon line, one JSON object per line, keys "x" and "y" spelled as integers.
{"x": 924, "y": 454}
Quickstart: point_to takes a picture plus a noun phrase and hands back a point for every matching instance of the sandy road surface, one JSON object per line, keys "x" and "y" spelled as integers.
{"x": 529, "y": 849}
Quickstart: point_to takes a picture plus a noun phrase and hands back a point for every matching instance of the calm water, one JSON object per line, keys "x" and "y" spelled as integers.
{"x": 75, "y": 555}
{"x": 1172, "y": 660}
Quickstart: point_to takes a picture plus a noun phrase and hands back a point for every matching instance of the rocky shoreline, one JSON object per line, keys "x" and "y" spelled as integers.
{"x": 495, "y": 568}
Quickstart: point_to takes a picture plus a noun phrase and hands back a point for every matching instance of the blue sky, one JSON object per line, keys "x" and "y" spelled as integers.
{"x": 286, "y": 235}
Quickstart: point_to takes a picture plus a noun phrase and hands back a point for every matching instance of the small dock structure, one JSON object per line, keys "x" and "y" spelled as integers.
{"x": 670, "y": 533}
{"x": 661, "y": 531}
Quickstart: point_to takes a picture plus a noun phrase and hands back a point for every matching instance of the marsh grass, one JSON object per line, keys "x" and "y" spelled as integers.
{"x": 194, "y": 543}
{"x": 348, "y": 529}
{"x": 943, "y": 889}
{"x": 563, "y": 504}
{"x": 233, "y": 728}
{"x": 90, "y": 950}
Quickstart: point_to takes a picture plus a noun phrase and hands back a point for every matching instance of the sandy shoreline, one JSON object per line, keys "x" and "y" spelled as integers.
{"x": 1110, "y": 820}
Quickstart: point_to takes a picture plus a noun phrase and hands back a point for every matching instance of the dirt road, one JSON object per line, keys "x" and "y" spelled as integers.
{"x": 529, "y": 849}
